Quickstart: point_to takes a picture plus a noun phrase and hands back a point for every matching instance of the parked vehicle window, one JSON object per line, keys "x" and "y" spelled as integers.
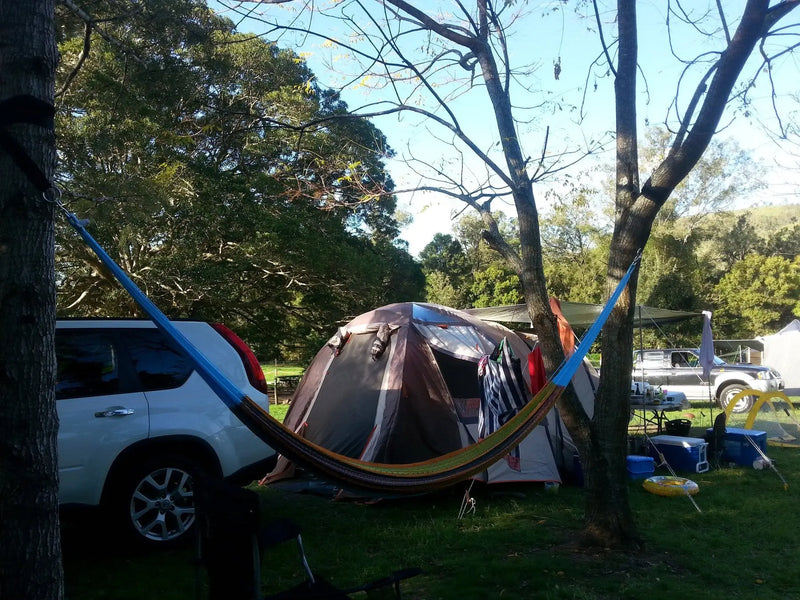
{"x": 648, "y": 360}
{"x": 684, "y": 360}
{"x": 158, "y": 362}
{"x": 87, "y": 365}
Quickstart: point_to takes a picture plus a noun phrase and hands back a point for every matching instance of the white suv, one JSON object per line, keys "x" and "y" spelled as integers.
{"x": 137, "y": 422}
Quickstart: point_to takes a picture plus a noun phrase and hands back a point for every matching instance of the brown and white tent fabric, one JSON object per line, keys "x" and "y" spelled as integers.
{"x": 400, "y": 385}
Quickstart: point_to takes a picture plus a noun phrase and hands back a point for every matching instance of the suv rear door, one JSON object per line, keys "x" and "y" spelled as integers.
{"x": 649, "y": 366}
{"x": 184, "y": 404}
{"x": 100, "y": 409}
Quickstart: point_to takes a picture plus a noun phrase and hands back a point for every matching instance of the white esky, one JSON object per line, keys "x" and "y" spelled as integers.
{"x": 543, "y": 36}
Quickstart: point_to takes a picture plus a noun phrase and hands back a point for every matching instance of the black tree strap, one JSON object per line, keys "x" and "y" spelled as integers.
{"x": 25, "y": 109}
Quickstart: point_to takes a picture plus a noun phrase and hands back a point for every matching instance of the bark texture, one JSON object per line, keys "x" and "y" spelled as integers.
{"x": 30, "y": 552}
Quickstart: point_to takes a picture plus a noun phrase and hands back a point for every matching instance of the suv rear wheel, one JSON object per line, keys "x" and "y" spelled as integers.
{"x": 743, "y": 405}
{"x": 154, "y": 500}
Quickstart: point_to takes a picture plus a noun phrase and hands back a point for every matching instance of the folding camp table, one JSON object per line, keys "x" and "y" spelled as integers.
{"x": 654, "y": 411}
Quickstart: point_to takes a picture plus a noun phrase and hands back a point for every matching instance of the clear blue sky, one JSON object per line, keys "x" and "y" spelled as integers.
{"x": 547, "y": 33}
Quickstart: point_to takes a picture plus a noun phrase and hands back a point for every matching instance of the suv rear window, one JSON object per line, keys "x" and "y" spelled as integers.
{"x": 158, "y": 361}
{"x": 648, "y": 359}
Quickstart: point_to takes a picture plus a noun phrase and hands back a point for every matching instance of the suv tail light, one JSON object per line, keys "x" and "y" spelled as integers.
{"x": 251, "y": 365}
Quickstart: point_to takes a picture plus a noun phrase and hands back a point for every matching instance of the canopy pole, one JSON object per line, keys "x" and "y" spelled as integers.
{"x": 641, "y": 345}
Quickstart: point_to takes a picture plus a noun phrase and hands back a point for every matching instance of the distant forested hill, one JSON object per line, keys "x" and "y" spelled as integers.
{"x": 767, "y": 219}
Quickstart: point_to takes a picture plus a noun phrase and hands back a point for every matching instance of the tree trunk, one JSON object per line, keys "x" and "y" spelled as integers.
{"x": 30, "y": 549}
{"x": 608, "y": 515}
{"x": 609, "y": 520}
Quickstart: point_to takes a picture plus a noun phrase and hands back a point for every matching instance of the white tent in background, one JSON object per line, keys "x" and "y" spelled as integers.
{"x": 782, "y": 353}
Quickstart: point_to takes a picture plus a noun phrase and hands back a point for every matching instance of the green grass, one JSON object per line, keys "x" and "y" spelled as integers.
{"x": 279, "y": 411}
{"x": 280, "y": 370}
{"x": 518, "y": 543}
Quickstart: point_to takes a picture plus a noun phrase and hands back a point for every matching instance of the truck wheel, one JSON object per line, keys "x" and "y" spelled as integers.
{"x": 153, "y": 501}
{"x": 743, "y": 405}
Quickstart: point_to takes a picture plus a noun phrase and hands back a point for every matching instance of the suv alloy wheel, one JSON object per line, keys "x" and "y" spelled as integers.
{"x": 154, "y": 501}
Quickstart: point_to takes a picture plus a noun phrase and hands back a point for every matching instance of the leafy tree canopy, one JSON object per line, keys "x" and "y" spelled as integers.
{"x": 447, "y": 272}
{"x": 692, "y": 261}
{"x": 759, "y": 294}
{"x": 181, "y": 140}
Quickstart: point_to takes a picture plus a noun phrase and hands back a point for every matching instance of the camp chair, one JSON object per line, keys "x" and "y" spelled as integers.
{"x": 227, "y": 523}
{"x": 716, "y": 442}
{"x": 323, "y": 590}
{"x": 230, "y": 541}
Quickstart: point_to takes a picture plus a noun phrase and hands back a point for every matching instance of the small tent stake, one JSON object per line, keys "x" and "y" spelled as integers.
{"x": 467, "y": 502}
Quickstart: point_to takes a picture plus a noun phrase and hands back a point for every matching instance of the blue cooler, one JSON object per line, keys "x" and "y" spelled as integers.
{"x": 640, "y": 467}
{"x": 740, "y": 451}
{"x": 682, "y": 453}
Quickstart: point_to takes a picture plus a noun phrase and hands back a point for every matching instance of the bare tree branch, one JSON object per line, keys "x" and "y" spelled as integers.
{"x": 88, "y": 19}
{"x": 723, "y": 21}
{"x": 87, "y": 44}
{"x": 602, "y": 38}
{"x": 729, "y": 67}
{"x": 448, "y": 33}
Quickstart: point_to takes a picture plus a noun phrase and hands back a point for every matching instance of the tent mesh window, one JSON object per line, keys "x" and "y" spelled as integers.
{"x": 461, "y": 377}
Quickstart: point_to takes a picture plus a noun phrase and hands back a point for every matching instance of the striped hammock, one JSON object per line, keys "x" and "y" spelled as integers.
{"x": 351, "y": 473}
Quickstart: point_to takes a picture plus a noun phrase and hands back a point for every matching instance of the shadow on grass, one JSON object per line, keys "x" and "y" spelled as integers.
{"x": 99, "y": 564}
{"x": 517, "y": 543}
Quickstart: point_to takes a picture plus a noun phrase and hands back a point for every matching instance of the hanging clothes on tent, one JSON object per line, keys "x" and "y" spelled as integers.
{"x": 503, "y": 394}
{"x": 536, "y": 369}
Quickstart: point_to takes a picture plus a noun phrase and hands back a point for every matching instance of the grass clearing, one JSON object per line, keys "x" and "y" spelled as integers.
{"x": 276, "y": 371}
{"x": 282, "y": 380}
{"x": 518, "y": 543}
{"x": 279, "y": 411}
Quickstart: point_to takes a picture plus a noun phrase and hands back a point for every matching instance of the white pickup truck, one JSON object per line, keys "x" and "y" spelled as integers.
{"x": 679, "y": 370}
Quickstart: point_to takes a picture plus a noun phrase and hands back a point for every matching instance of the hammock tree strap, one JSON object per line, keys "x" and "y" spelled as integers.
{"x": 418, "y": 477}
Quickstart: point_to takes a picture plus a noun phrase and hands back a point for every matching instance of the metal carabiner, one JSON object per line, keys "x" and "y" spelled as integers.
{"x": 52, "y": 195}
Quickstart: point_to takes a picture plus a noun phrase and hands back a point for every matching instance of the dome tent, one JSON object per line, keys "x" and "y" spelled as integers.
{"x": 400, "y": 384}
